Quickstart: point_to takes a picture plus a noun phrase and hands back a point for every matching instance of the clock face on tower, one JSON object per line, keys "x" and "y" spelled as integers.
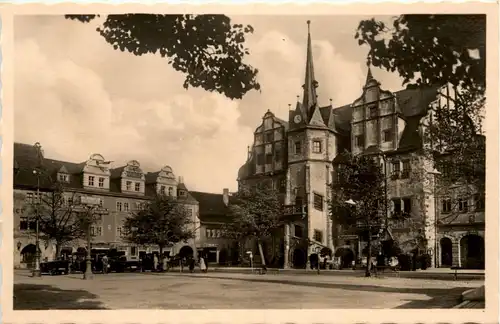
{"x": 297, "y": 119}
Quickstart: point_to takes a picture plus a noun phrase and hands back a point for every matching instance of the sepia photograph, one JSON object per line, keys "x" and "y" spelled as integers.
{"x": 249, "y": 161}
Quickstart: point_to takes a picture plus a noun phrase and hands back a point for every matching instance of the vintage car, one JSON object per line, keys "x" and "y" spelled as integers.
{"x": 55, "y": 267}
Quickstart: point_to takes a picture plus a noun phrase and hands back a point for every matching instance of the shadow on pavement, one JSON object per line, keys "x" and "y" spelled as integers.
{"x": 45, "y": 297}
{"x": 439, "y": 297}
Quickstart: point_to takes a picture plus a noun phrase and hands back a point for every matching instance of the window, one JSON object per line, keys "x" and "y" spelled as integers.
{"x": 407, "y": 205}
{"x": 118, "y": 206}
{"x": 170, "y": 191}
{"x": 26, "y": 224}
{"x": 269, "y": 137}
{"x": 445, "y": 169}
{"x": 479, "y": 202}
{"x": 96, "y": 230}
{"x": 277, "y": 155}
{"x": 463, "y": 205}
{"x": 128, "y": 185}
{"x": 318, "y": 202}
{"x": 387, "y": 135}
{"x": 298, "y": 231}
{"x": 260, "y": 159}
{"x": 316, "y": 146}
{"x": 397, "y": 206}
{"x": 182, "y": 193}
{"x": 29, "y": 198}
{"x": 318, "y": 236}
{"x": 282, "y": 186}
{"x": 63, "y": 177}
{"x": 269, "y": 158}
{"x": 360, "y": 141}
{"x": 138, "y": 206}
{"x": 101, "y": 182}
{"x": 91, "y": 181}
{"x": 406, "y": 169}
{"x": 373, "y": 111}
{"x": 162, "y": 190}
{"x": 298, "y": 147}
{"x": 101, "y": 202}
{"x": 120, "y": 231}
{"x": 137, "y": 186}
{"x": 446, "y": 205}
{"x": 396, "y": 169}
{"x": 125, "y": 207}
{"x": 299, "y": 201}
{"x": 208, "y": 232}
{"x": 70, "y": 201}
{"x": 133, "y": 251}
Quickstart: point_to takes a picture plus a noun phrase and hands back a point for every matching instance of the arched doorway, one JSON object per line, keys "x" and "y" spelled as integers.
{"x": 186, "y": 251}
{"x": 346, "y": 256}
{"x": 299, "y": 259}
{"x": 223, "y": 256}
{"x": 313, "y": 260}
{"x": 28, "y": 255}
{"x": 472, "y": 251}
{"x": 446, "y": 252}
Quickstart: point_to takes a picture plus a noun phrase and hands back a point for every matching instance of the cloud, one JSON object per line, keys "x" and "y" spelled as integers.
{"x": 76, "y": 95}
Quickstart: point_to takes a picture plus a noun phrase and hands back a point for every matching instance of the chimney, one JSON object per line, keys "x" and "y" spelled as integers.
{"x": 225, "y": 196}
{"x": 181, "y": 180}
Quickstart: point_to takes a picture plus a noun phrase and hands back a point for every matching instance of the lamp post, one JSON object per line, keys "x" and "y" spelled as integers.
{"x": 435, "y": 173}
{"x": 89, "y": 206}
{"x": 369, "y": 226}
{"x": 36, "y": 271}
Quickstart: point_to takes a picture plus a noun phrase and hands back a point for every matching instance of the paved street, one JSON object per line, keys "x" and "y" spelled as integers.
{"x": 232, "y": 291}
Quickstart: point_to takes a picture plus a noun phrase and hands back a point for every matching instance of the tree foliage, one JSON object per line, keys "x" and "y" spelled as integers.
{"x": 208, "y": 49}
{"x": 434, "y": 49}
{"x": 360, "y": 179}
{"x": 162, "y": 222}
{"x": 58, "y": 219}
{"x": 256, "y": 213}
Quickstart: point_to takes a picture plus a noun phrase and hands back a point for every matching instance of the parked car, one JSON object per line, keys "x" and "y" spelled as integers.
{"x": 56, "y": 267}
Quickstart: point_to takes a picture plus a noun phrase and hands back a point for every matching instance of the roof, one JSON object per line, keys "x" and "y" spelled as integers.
{"x": 27, "y": 159}
{"x": 211, "y": 206}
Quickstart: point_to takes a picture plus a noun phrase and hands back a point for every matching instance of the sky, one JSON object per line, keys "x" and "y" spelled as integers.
{"x": 77, "y": 96}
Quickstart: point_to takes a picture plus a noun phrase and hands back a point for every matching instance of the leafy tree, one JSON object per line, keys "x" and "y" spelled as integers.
{"x": 357, "y": 197}
{"x": 207, "y": 48}
{"x": 440, "y": 50}
{"x": 437, "y": 49}
{"x": 256, "y": 213}
{"x": 58, "y": 220}
{"x": 163, "y": 222}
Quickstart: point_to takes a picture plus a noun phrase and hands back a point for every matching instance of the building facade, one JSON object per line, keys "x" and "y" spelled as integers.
{"x": 118, "y": 191}
{"x": 296, "y": 155}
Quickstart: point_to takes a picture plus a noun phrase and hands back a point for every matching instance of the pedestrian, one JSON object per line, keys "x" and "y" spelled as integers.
{"x": 155, "y": 262}
{"x": 203, "y": 266}
{"x": 191, "y": 265}
{"x": 105, "y": 263}
{"x": 165, "y": 263}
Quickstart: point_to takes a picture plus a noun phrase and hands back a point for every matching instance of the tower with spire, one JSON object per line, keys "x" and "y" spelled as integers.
{"x": 312, "y": 145}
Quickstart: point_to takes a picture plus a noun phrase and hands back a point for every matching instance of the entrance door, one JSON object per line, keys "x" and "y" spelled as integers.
{"x": 446, "y": 252}
{"x": 472, "y": 251}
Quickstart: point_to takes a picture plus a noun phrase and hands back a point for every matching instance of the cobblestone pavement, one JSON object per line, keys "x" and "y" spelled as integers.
{"x": 232, "y": 291}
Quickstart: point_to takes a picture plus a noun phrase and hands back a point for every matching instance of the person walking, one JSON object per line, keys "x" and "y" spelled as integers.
{"x": 203, "y": 266}
{"x": 155, "y": 262}
{"x": 105, "y": 263}
{"x": 191, "y": 265}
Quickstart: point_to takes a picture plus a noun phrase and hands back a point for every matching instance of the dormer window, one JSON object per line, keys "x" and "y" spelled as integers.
{"x": 182, "y": 193}
{"x": 170, "y": 191}
{"x": 137, "y": 186}
{"x": 101, "y": 182}
{"x": 128, "y": 185}
{"x": 91, "y": 181}
{"x": 162, "y": 190}
{"x": 63, "y": 177}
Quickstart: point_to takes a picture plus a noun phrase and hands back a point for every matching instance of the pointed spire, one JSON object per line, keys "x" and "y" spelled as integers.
{"x": 309, "y": 99}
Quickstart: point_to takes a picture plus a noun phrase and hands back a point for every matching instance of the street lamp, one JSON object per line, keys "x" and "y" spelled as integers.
{"x": 369, "y": 226}
{"x": 89, "y": 206}
{"x": 36, "y": 271}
